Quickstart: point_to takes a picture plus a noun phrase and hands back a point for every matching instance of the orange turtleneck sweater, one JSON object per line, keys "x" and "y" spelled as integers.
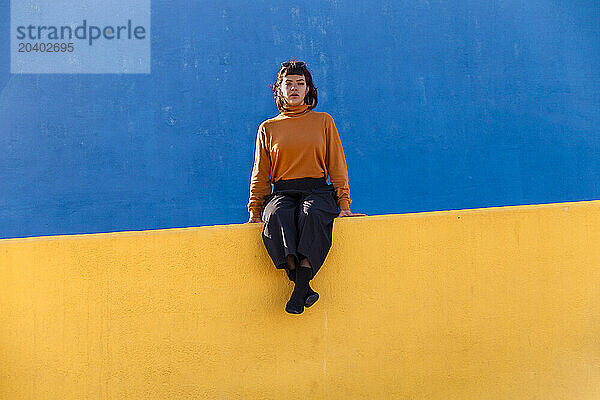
{"x": 298, "y": 143}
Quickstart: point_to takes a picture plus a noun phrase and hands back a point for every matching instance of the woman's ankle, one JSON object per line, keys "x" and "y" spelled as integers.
{"x": 305, "y": 263}
{"x": 291, "y": 262}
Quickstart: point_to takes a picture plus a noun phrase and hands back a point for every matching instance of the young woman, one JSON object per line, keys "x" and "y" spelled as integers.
{"x": 295, "y": 153}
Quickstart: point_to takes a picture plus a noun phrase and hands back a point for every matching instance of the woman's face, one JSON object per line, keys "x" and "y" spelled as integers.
{"x": 293, "y": 89}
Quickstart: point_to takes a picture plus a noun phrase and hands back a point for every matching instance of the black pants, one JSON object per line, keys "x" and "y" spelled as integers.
{"x": 298, "y": 219}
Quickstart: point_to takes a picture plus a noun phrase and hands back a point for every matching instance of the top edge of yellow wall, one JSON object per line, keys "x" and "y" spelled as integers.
{"x": 517, "y": 208}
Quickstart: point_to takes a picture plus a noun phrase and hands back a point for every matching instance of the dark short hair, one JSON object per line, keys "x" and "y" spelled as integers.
{"x": 294, "y": 67}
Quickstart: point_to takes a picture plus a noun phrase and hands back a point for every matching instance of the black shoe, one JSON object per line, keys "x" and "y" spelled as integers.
{"x": 311, "y": 298}
{"x": 294, "y": 308}
{"x": 296, "y": 303}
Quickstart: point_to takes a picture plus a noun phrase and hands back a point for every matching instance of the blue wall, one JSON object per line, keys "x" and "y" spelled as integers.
{"x": 440, "y": 105}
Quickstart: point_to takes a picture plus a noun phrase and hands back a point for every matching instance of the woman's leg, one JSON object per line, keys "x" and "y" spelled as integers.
{"x": 316, "y": 214}
{"x": 298, "y": 299}
{"x": 280, "y": 234}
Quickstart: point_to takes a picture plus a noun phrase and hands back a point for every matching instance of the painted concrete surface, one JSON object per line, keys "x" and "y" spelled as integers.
{"x": 498, "y": 303}
{"x": 440, "y": 105}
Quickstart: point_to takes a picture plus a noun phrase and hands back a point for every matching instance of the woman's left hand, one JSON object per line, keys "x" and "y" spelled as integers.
{"x": 348, "y": 213}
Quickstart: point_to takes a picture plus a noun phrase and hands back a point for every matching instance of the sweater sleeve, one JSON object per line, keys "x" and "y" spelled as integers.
{"x": 336, "y": 164}
{"x": 260, "y": 181}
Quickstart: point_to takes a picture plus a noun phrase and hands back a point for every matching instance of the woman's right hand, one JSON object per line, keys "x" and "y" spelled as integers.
{"x": 252, "y": 220}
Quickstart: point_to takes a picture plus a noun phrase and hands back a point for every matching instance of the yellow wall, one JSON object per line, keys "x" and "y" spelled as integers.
{"x": 498, "y": 303}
